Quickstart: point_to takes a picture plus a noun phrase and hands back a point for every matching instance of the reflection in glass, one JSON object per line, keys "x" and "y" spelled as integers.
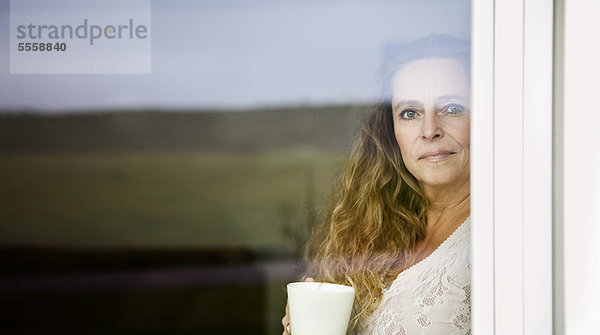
{"x": 181, "y": 201}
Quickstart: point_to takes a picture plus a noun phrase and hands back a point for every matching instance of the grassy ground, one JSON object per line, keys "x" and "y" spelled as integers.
{"x": 161, "y": 199}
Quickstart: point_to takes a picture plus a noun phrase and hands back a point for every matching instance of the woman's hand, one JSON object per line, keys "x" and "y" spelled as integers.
{"x": 285, "y": 321}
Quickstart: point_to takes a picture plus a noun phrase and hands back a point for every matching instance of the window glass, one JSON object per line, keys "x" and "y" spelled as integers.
{"x": 181, "y": 200}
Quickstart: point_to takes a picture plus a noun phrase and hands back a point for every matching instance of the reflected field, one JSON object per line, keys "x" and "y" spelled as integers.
{"x": 161, "y": 199}
{"x": 160, "y": 222}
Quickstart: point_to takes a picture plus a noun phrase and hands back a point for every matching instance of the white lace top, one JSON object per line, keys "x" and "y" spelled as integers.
{"x": 432, "y": 296}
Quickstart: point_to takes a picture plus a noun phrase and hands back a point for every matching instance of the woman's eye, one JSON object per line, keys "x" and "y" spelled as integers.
{"x": 408, "y": 114}
{"x": 454, "y": 109}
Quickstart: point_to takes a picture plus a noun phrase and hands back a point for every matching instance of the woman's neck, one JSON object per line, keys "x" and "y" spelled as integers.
{"x": 443, "y": 221}
{"x": 449, "y": 207}
{"x": 446, "y": 195}
{"x": 445, "y": 214}
{"x": 444, "y": 211}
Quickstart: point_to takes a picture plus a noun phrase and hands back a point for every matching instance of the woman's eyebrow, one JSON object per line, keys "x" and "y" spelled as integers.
{"x": 450, "y": 97}
{"x": 415, "y": 103}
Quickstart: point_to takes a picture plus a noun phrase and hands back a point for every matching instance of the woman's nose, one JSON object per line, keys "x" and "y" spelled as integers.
{"x": 432, "y": 127}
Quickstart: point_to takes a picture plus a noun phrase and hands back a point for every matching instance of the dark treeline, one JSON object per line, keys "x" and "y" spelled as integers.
{"x": 327, "y": 128}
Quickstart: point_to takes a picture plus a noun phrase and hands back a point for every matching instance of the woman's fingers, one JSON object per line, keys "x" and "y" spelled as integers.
{"x": 285, "y": 319}
{"x": 309, "y": 279}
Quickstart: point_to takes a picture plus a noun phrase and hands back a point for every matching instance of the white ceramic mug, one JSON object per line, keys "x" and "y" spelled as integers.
{"x": 319, "y": 308}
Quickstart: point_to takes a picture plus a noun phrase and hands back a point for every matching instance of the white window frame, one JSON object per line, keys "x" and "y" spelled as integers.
{"x": 511, "y": 166}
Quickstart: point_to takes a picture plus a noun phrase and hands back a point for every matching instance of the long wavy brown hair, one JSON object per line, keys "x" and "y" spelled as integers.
{"x": 375, "y": 215}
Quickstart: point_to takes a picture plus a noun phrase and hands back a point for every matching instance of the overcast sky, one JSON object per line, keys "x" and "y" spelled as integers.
{"x": 245, "y": 54}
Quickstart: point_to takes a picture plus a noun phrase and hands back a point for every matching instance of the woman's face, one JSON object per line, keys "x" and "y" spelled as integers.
{"x": 432, "y": 120}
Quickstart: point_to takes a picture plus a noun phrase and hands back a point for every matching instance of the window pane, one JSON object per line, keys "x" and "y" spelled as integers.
{"x": 182, "y": 200}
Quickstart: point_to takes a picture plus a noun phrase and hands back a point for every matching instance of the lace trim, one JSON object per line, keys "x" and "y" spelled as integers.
{"x": 431, "y": 297}
{"x": 458, "y": 232}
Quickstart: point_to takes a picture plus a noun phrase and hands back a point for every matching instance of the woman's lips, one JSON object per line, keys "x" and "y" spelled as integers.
{"x": 436, "y": 156}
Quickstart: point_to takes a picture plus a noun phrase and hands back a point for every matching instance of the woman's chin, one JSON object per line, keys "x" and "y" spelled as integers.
{"x": 441, "y": 179}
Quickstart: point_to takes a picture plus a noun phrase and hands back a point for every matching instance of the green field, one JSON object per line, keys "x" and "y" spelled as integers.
{"x": 174, "y": 199}
{"x": 105, "y": 193}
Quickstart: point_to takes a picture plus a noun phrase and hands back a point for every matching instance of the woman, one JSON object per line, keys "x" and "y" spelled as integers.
{"x": 397, "y": 228}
